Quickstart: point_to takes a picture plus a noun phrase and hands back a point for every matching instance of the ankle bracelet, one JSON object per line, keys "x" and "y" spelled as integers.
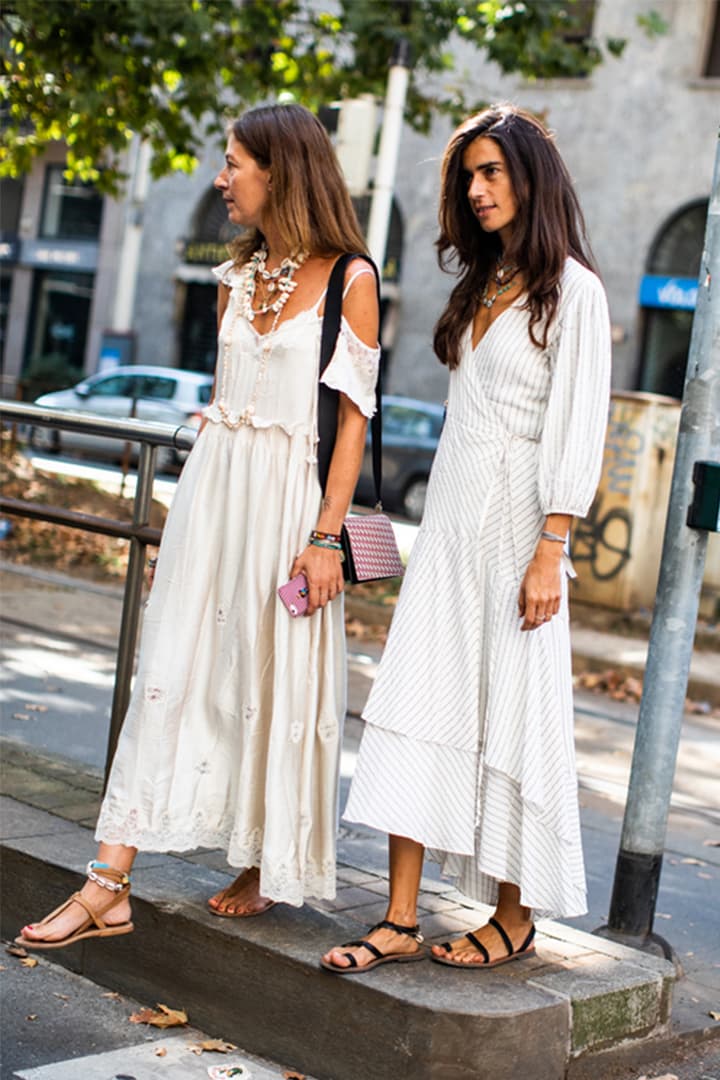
{"x": 113, "y": 886}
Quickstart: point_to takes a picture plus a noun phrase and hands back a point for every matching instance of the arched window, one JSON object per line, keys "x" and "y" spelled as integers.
{"x": 668, "y": 294}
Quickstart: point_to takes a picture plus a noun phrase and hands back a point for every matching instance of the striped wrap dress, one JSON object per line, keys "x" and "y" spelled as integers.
{"x": 468, "y": 745}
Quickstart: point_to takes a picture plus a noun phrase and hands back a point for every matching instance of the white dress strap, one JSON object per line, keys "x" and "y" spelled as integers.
{"x": 357, "y": 274}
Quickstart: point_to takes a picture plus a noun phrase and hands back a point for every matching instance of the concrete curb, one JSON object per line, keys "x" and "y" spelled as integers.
{"x": 259, "y": 983}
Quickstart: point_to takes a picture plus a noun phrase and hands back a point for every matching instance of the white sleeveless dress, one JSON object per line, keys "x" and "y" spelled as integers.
{"x": 468, "y": 744}
{"x": 234, "y": 729}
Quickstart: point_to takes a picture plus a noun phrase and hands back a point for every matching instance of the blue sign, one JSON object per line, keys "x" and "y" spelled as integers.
{"x": 658, "y": 291}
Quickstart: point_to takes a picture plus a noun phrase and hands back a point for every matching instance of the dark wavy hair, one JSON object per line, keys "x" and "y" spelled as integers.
{"x": 309, "y": 198}
{"x": 549, "y": 225}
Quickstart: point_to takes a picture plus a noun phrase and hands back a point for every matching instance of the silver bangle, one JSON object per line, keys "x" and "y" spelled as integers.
{"x": 545, "y": 535}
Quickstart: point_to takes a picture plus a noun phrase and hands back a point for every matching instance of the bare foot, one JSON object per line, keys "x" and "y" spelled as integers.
{"x": 242, "y": 897}
{"x": 463, "y": 951}
{"x": 387, "y": 941}
{"x": 68, "y": 921}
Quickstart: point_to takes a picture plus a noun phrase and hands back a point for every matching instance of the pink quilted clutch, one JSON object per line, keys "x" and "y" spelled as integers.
{"x": 371, "y": 552}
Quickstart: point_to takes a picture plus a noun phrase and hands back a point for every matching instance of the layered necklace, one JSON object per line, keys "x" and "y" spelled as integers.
{"x": 502, "y": 277}
{"x": 277, "y": 285}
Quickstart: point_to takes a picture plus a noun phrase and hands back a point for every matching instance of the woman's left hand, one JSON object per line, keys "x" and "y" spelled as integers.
{"x": 539, "y": 597}
{"x": 323, "y": 569}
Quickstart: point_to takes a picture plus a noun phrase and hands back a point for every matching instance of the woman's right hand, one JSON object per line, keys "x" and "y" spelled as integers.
{"x": 323, "y": 570}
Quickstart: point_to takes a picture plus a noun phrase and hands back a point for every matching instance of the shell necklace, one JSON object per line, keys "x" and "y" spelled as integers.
{"x": 503, "y": 277}
{"x": 279, "y": 281}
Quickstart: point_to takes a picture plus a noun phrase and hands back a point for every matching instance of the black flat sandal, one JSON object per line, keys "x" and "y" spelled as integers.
{"x": 526, "y": 949}
{"x": 354, "y": 968}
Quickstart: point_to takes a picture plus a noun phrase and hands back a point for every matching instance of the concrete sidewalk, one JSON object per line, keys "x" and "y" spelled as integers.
{"x": 580, "y": 1005}
{"x": 258, "y": 981}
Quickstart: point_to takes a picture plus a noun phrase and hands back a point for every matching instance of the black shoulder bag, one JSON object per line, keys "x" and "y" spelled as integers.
{"x": 369, "y": 545}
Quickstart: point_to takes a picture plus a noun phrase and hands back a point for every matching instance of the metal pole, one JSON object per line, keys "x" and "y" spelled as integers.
{"x": 381, "y": 205}
{"x": 639, "y": 862}
{"x": 131, "y": 603}
{"x": 129, "y": 260}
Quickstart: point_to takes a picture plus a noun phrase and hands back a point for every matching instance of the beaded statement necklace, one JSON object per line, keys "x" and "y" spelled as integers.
{"x": 503, "y": 277}
{"x": 279, "y": 285}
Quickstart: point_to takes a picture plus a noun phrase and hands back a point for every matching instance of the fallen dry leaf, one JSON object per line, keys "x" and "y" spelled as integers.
{"x": 113, "y": 995}
{"x": 16, "y": 950}
{"x": 29, "y": 961}
{"x": 162, "y": 1017}
{"x": 160, "y": 1051}
{"x": 32, "y": 1016}
{"x": 290, "y": 1075}
{"x": 714, "y": 1015}
{"x": 63, "y": 997}
{"x": 693, "y": 862}
{"x": 218, "y": 1046}
{"x": 36, "y": 708}
{"x": 21, "y": 716}
{"x": 711, "y": 843}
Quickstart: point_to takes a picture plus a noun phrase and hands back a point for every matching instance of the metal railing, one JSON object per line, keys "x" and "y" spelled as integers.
{"x": 138, "y": 532}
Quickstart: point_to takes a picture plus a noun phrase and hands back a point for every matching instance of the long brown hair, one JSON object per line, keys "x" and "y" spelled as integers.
{"x": 310, "y": 203}
{"x": 548, "y": 227}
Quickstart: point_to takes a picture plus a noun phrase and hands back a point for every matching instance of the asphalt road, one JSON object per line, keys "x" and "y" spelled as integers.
{"x": 59, "y": 1026}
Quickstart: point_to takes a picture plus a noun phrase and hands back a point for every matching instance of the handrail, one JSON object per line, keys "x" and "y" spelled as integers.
{"x": 142, "y": 431}
{"x": 150, "y": 435}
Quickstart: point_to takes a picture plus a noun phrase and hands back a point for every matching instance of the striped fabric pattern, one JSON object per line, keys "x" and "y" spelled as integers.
{"x": 468, "y": 746}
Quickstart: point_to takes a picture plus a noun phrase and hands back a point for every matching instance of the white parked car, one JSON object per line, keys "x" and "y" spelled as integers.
{"x": 163, "y": 394}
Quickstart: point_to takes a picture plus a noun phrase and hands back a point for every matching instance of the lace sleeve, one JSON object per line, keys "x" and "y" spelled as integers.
{"x": 226, "y": 273}
{"x": 353, "y": 369}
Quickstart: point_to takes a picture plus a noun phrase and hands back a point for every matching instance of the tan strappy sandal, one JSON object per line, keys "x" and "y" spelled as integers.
{"x": 94, "y": 926}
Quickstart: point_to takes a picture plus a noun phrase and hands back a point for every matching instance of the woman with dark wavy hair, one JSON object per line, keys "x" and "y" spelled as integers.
{"x": 468, "y": 745}
{"x": 233, "y": 734}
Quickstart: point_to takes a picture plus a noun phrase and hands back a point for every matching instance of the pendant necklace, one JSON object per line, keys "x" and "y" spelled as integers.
{"x": 503, "y": 277}
{"x": 279, "y": 281}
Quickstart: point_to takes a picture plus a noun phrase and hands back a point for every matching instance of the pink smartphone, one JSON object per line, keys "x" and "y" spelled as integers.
{"x": 294, "y": 595}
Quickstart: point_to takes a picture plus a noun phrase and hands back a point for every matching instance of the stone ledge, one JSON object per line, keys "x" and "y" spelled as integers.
{"x": 258, "y": 982}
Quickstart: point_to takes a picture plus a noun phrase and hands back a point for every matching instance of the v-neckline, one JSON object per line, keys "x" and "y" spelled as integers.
{"x": 474, "y": 347}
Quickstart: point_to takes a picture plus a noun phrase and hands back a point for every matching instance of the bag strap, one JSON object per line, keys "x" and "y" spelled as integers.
{"x": 327, "y": 397}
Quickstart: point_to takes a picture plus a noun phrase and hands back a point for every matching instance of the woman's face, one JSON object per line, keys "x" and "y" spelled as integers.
{"x": 489, "y": 188}
{"x": 244, "y": 186}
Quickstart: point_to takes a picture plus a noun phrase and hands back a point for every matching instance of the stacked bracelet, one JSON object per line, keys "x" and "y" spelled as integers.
{"x": 330, "y": 545}
{"x": 545, "y": 535}
{"x": 332, "y": 538}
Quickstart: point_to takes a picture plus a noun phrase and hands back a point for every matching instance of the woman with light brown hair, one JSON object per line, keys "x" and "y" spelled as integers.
{"x": 468, "y": 743}
{"x": 233, "y": 734}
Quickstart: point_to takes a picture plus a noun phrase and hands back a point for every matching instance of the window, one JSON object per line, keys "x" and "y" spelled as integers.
{"x": 712, "y": 61}
{"x": 71, "y": 211}
{"x": 155, "y": 386}
{"x": 668, "y": 294}
{"x": 114, "y": 386}
{"x": 406, "y": 423}
{"x": 60, "y": 313}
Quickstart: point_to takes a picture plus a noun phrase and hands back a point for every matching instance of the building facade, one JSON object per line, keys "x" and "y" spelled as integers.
{"x": 639, "y": 138}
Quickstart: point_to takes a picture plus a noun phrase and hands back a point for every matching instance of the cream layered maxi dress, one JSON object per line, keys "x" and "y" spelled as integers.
{"x": 233, "y": 733}
{"x": 468, "y": 746}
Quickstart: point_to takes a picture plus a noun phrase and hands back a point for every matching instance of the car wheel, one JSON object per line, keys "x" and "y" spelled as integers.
{"x": 413, "y": 501}
{"x": 45, "y": 440}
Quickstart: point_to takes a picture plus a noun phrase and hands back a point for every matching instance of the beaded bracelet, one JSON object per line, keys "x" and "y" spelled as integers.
{"x": 330, "y": 547}
{"x": 152, "y": 562}
{"x": 334, "y": 538}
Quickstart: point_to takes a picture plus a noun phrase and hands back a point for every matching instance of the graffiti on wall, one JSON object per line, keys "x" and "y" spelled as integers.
{"x": 624, "y": 445}
{"x": 603, "y": 539}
